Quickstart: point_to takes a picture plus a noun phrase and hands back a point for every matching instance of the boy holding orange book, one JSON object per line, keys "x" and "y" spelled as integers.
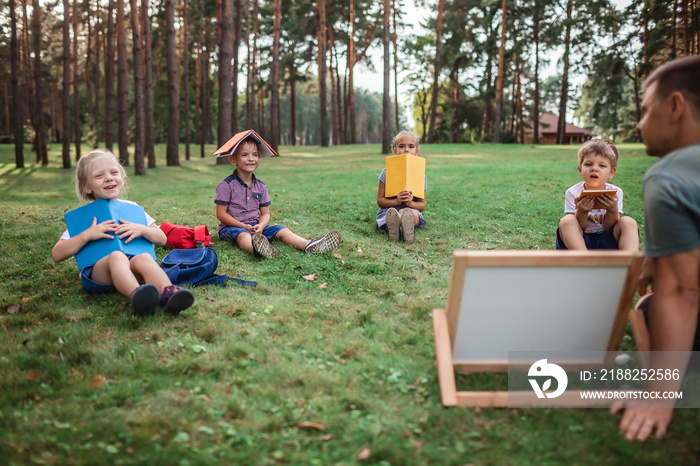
{"x": 593, "y": 206}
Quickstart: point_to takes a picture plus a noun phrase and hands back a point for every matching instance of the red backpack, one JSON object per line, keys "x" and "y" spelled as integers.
{"x": 184, "y": 237}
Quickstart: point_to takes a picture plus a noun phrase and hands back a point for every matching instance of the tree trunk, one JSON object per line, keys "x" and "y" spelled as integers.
{"x": 109, "y": 77}
{"x": 396, "y": 68}
{"x": 252, "y": 76}
{"x": 351, "y": 84}
{"x": 66, "y": 85}
{"x": 536, "y": 78}
{"x": 561, "y": 124}
{"x": 236, "y": 66}
{"x": 223, "y": 132}
{"x": 76, "y": 84}
{"x": 436, "y": 73}
{"x": 186, "y": 72}
{"x": 40, "y": 139}
{"x": 208, "y": 137}
{"x": 172, "y": 154}
{"x": 26, "y": 73}
{"x": 275, "y": 78}
{"x": 91, "y": 116}
{"x": 17, "y": 104}
{"x": 501, "y": 74}
{"x": 122, "y": 88}
{"x": 139, "y": 103}
{"x": 386, "y": 100}
{"x": 322, "y": 90}
{"x": 149, "y": 143}
{"x": 292, "y": 107}
{"x": 486, "y": 123}
{"x": 335, "y": 109}
{"x": 96, "y": 75}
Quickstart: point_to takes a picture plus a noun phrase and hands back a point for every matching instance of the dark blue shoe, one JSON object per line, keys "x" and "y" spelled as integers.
{"x": 144, "y": 300}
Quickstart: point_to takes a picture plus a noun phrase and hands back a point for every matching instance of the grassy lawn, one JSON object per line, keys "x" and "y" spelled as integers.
{"x": 293, "y": 371}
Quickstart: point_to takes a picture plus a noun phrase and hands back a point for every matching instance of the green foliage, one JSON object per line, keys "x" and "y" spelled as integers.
{"x": 288, "y": 372}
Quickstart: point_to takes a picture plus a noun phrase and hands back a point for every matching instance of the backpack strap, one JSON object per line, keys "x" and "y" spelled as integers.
{"x": 201, "y": 236}
{"x": 222, "y": 279}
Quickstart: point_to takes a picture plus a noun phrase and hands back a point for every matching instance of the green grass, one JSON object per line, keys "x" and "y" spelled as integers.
{"x": 230, "y": 381}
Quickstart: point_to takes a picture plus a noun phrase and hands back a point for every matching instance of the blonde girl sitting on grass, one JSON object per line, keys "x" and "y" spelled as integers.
{"x": 100, "y": 176}
{"x": 400, "y": 215}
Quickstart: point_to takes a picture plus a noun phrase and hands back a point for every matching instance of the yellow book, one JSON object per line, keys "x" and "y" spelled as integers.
{"x": 405, "y": 172}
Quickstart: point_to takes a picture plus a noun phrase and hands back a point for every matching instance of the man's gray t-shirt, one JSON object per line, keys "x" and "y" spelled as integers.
{"x": 672, "y": 203}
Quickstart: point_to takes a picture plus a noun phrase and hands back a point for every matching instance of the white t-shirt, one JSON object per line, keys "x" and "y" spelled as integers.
{"x": 596, "y": 217}
{"x": 149, "y": 220}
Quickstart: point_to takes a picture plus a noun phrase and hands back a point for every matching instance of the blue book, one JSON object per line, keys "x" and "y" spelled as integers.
{"x": 80, "y": 219}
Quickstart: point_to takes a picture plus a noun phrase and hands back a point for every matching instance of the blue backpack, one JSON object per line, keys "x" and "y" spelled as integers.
{"x": 196, "y": 267}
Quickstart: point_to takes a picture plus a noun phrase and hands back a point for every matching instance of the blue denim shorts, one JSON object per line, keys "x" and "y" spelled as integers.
{"x": 92, "y": 286}
{"x": 601, "y": 240}
{"x": 231, "y": 233}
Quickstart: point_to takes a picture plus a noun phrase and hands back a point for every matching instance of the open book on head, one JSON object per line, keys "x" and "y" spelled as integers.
{"x": 264, "y": 149}
{"x": 596, "y": 193}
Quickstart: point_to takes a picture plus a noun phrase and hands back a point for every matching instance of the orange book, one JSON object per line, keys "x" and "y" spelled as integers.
{"x": 405, "y": 172}
{"x": 596, "y": 193}
{"x": 229, "y": 148}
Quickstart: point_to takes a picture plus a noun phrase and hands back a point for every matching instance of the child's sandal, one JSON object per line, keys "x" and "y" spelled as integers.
{"x": 175, "y": 299}
{"x": 392, "y": 224}
{"x": 408, "y": 225}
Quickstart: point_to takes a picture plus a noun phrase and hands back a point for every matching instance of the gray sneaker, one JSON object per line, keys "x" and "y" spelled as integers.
{"x": 261, "y": 246}
{"x": 392, "y": 224}
{"x": 407, "y": 225}
{"x": 325, "y": 243}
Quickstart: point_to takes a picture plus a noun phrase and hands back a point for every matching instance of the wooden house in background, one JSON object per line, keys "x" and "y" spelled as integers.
{"x": 548, "y": 131}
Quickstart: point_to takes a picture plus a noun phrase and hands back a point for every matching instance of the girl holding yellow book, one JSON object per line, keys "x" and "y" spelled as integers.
{"x": 401, "y": 213}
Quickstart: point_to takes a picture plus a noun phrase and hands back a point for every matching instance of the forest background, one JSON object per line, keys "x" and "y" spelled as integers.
{"x": 113, "y": 73}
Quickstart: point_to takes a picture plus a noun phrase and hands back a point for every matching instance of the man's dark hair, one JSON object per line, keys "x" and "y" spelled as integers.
{"x": 682, "y": 75}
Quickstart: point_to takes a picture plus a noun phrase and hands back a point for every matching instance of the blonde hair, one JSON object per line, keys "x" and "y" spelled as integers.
{"x": 599, "y": 147}
{"x": 406, "y": 133}
{"x": 82, "y": 172}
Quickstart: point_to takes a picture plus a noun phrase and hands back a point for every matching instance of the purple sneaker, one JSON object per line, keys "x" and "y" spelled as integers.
{"x": 144, "y": 300}
{"x": 175, "y": 299}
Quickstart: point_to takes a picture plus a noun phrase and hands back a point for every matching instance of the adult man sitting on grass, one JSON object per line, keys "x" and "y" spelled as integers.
{"x": 670, "y": 129}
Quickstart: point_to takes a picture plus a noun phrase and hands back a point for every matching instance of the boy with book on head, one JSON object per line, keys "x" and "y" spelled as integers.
{"x": 593, "y": 206}
{"x": 98, "y": 177}
{"x": 243, "y": 204}
{"x": 399, "y": 214}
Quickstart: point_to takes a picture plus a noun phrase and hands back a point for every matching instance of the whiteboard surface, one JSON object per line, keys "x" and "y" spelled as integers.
{"x": 536, "y": 309}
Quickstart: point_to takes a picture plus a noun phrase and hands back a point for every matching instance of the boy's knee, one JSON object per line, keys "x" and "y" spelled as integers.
{"x": 568, "y": 220}
{"x": 627, "y": 222}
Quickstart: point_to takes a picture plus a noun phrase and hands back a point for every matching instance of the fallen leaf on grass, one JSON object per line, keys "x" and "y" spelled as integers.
{"x": 327, "y": 335}
{"x": 310, "y": 277}
{"x": 32, "y": 375}
{"x": 129, "y": 450}
{"x": 325, "y": 438}
{"x": 182, "y": 393}
{"x": 72, "y": 319}
{"x": 323, "y": 286}
{"x": 364, "y": 454}
{"x": 338, "y": 256}
{"x": 13, "y": 308}
{"x": 98, "y": 381}
{"x": 26, "y": 299}
{"x": 418, "y": 445}
{"x": 311, "y": 425}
